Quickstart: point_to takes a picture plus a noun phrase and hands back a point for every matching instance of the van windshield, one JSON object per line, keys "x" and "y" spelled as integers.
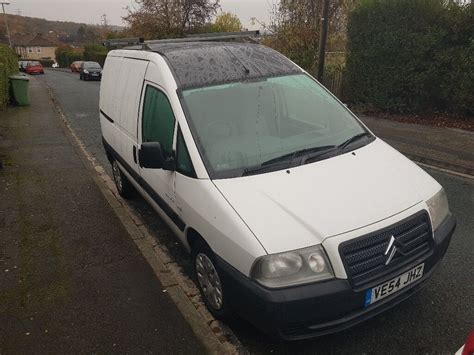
{"x": 271, "y": 123}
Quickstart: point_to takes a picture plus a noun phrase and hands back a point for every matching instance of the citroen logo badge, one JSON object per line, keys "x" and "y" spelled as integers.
{"x": 391, "y": 250}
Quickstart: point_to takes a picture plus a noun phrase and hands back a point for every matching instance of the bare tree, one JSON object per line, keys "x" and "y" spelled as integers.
{"x": 295, "y": 26}
{"x": 169, "y": 18}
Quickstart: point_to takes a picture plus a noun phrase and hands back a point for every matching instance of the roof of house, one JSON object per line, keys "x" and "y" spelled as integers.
{"x": 33, "y": 40}
{"x": 198, "y": 64}
{"x": 4, "y": 40}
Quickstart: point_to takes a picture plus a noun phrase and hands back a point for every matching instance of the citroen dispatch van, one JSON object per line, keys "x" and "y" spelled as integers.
{"x": 298, "y": 218}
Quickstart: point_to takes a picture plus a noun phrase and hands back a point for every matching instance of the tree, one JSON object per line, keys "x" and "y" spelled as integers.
{"x": 117, "y": 34}
{"x": 169, "y": 18}
{"x": 81, "y": 33}
{"x": 86, "y": 34}
{"x": 227, "y": 22}
{"x": 295, "y": 27}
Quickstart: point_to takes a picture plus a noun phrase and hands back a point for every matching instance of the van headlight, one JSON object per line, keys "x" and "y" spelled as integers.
{"x": 292, "y": 268}
{"x": 86, "y": 71}
{"x": 438, "y": 207}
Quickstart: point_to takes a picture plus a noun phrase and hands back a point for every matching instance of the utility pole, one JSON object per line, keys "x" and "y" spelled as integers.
{"x": 322, "y": 40}
{"x": 104, "y": 21}
{"x": 4, "y": 2}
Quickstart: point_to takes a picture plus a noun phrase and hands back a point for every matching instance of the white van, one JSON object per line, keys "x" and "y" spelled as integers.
{"x": 298, "y": 218}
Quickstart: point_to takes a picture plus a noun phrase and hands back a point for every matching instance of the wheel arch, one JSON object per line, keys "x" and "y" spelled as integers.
{"x": 192, "y": 235}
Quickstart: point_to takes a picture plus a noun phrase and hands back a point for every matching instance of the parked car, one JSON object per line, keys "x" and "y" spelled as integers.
{"x": 468, "y": 347}
{"x": 76, "y": 66}
{"x": 297, "y": 217}
{"x": 90, "y": 71}
{"x": 34, "y": 67}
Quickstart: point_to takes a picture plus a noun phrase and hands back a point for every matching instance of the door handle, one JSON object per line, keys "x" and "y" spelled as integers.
{"x": 135, "y": 154}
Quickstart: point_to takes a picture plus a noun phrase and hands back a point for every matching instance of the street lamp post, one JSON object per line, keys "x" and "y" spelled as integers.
{"x": 4, "y": 2}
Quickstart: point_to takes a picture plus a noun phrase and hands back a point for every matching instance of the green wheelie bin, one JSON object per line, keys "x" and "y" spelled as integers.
{"x": 20, "y": 89}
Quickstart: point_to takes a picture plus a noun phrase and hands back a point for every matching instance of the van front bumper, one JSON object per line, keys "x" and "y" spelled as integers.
{"x": 322, "y": 308}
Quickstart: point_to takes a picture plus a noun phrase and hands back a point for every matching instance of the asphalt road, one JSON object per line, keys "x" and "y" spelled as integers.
{"x": 435, "y": 321}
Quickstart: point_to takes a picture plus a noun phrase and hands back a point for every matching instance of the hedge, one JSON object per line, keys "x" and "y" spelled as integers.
{"x": 8, "y": 66}
{"x": 65, "y": 55}
{"x": 95, "y": 53}
{"x": 411, "y": 56}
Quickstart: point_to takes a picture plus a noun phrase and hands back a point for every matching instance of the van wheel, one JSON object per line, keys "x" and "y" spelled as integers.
{"x": 124, "y": 187}
{"x": 209, "y": 281}
{"x": 80, "y": 76}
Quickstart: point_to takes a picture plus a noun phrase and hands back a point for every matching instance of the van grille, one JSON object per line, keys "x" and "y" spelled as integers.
{"x": 365, "y": 260}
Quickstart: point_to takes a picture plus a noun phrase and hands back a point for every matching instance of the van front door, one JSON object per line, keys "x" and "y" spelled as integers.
{"x": 158, "y": 124}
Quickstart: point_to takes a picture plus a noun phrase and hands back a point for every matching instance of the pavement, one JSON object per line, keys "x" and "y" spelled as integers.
{"x": 435, "y": 321}
{"x": 71, "y": 279}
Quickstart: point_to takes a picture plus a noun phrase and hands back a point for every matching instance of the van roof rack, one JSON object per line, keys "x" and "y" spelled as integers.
{"x": 123, "y": 42}
{"x": 212, "y": 36}
{"x": 198, "y": 37}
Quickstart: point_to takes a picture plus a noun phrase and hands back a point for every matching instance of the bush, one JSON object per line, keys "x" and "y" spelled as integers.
{"x": 95, "y": 53}
{"x": 8, "y": 66}
{"x": 65, "y": 55}
{"x": 410, "y": 56}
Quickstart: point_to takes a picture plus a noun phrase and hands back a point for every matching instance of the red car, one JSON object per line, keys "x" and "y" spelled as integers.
{"x": 34, "y": 68}
{"x": 76, "y": 66}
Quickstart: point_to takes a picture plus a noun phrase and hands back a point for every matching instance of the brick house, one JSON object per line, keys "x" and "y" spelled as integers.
{"x": 35, "y": 47}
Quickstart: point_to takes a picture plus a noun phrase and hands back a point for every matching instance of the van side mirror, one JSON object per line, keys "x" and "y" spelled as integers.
{"x": 150, "y": 156}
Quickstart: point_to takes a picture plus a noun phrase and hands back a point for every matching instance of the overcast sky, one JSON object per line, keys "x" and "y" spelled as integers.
{"x": 90, "y": 11}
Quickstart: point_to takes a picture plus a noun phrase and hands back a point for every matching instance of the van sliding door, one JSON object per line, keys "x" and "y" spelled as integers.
{"x": 129, "y": 86}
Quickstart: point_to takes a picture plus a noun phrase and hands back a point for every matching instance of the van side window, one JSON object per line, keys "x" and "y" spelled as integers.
{"x": 183, "y": 160}
{"x": 158, "y": 120}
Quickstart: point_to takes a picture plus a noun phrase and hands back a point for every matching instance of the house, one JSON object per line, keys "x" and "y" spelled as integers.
{"x": 35, "y": 47}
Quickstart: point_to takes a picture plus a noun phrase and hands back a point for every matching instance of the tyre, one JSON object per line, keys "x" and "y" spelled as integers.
{"x": 80, "y": 76}
{"x": 124, "y": 187}
{"x": 209, "y": 280}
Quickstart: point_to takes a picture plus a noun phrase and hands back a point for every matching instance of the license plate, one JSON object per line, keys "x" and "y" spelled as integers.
{"x": 95, "y": 74}
{"x": 388, "y": 288}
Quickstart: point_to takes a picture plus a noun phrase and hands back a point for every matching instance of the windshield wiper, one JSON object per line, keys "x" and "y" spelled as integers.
{"x": 336, "y": 149}
{"x": 291, "y": 156}
{"x": 262, "y": 169}
{"x": 309, "y": 154}
{"x": 353, "y": 139}
{"x": 287, "y": 159}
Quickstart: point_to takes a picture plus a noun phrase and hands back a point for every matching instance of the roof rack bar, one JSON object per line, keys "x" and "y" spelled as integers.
{"x": 239, "y": 34}
{"x": 218, "y": 36}
{"x": 122, "y": 42}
